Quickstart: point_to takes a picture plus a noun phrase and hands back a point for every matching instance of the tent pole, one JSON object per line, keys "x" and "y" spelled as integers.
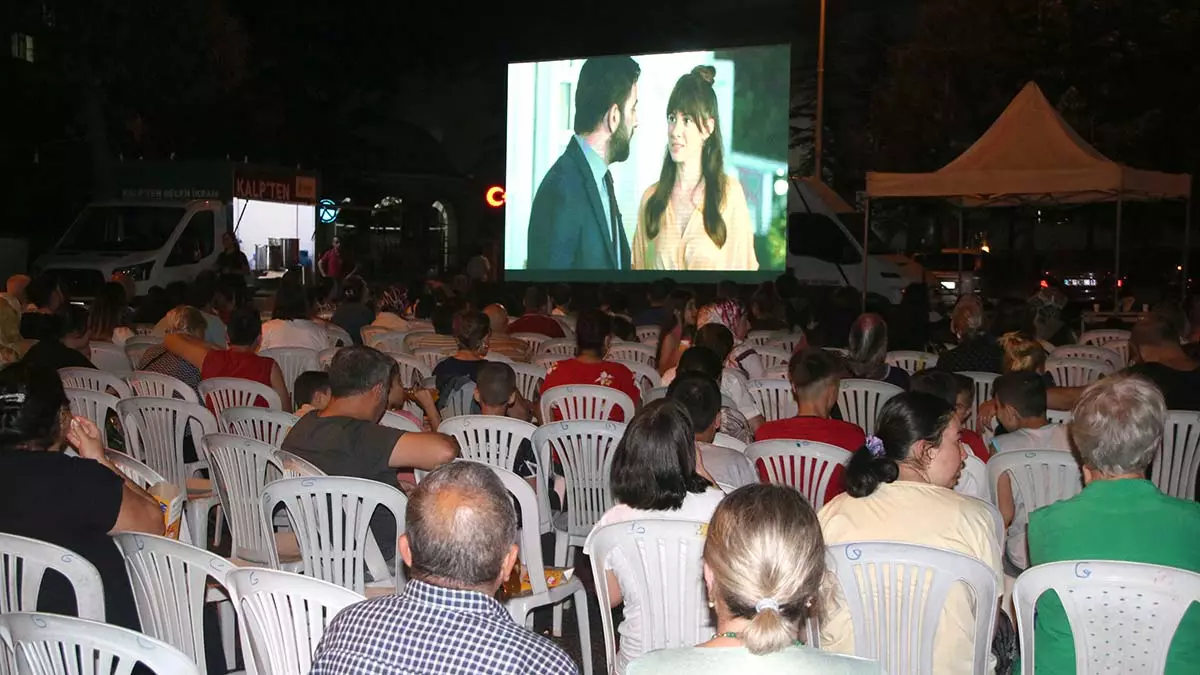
{"x": 1117, "y": 254}
{"x": 959, "y": 286}
{"x": 1187, "y": 247}
{"x": 866, "y": 250}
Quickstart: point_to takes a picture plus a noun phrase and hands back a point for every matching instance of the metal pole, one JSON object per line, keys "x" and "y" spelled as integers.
{"x": 866, "y": 250}
{"x": 819, "y": 132}
{"x": 959, "y": 287}
{"x": 1187, "y": 247}
{"x": 1117, "y": 254}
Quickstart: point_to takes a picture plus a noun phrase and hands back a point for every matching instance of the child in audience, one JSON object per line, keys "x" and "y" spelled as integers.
{"x": 399, "y": 396}
{"x": 496, "y": 393}
{"x": 958, "y": 391}
{"x": 311, "y": 392}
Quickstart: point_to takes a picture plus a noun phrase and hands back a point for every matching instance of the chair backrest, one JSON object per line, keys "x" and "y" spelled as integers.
{"x": 431, "y": 356}
{"x": 895, "y": 593}
{"x": 1101, "y": 337}
{"x": 760, "y": 338}
{"x": 137, "y": 347}
{"x": 1040, "y": 477}
{"x": 1077, "y": 372}
{"x": 1088, "y": 352}
{"x": 1059, "y": 416}
{"x": 293, "y": 361}
{"x": 558, "y": 347}
{"x": 529, "y": 379}
{"x": 111, "y": 359}
{"x": 648, "y": 335}
{"x": 646, "y": 377}
{"x": 983, "y": 392}
{"x": 415, "y": 337}
{"x": 773, "y": 357}
{"x": 146, "y": 383}
{"x": 726, "y": 441}
{"x": 774, "y": 398}
{"x": 25, "y": 561}
{"x": 331, "y": 516}
{"x": 586, "y": 450}
{"x": 295, "y": 466}
{"x": 911, "y": 361}
{"x": 261, "y": 424}
{"x": 338, "y": 337}
{"x": 51, "y": 644}
{"x": 221, "y": 393}
{"x": 532, "y": 340}
{"x": 861, "y": 400}
{"x": 545, "y": 361}
{"x": 239, "y": 467}
{"x": 1178, "y": 460}
{"x": 1121, "y": 349}
{"x": 283, "y": 617}
{"x": 154, "y": 432}
{"x": 496, "y": 356}
{"x": 388, "y": 342}
{"x": 631, "y": 351}
{"x": 134, "y": 470}
{"x": 778, "y": 373}
{"x": 170, "y": 585}
{"x": 91, "y": 379}
{"x": 1122, "y": 615}
{"x": 490, "y": 439}
{"x": 369, "y": 334}
{"x": 973, "y": 481}
{"x": 91, "y": 404}
{"x": 413, "y": 370}
{"x": 584, "y": 402}
{"x": 397, "y": 421}
{"x": 460, "y": 401}
{"x": 663, "y": 561}
{"x": 654, "y": 394}
{"x": 325, "y": 356}
{"x": 786, "y": 341}
{"x": 806, "y": 466}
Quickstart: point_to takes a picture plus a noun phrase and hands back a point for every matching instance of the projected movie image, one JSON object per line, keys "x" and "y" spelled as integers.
{"x": 656, "y": 162}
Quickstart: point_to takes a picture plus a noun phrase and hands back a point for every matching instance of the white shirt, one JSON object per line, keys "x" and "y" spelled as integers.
{"x": 1049, "y": 437}
{"x": 697, "y": 507}
{"x": 303, "y": 333}
{"x": 729, "y": 468}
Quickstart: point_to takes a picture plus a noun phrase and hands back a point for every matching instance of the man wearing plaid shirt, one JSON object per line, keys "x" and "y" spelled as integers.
{"x": 459, "y": 543}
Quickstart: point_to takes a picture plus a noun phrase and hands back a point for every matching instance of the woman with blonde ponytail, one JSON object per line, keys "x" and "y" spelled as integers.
{"x": 764, "y": 560}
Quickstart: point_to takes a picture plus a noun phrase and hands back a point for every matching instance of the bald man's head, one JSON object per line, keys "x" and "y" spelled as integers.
{"x": 16, "y": 286}
{"x": 461, "y": 527}
{"x": 497, "y": 318}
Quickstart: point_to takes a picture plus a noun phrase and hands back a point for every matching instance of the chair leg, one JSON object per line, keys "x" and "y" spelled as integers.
{"x": 198, "y": 523}
{"x": 561, "y": 546}
{"x": 228, "y": 619}
{"x": 220, "y": 527}
{"x": 585, "y": 630}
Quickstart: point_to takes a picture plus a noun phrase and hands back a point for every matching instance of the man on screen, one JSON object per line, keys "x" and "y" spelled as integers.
{"x": 574, "y": 222}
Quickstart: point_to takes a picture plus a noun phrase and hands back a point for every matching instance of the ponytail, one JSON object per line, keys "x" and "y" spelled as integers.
{"x": 768, "y": 630}
{"x": 865, "y": 471}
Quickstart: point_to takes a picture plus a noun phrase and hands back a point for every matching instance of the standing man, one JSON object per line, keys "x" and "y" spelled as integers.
{"x": 330, "y": 264}
{"x": 575, "y": 222}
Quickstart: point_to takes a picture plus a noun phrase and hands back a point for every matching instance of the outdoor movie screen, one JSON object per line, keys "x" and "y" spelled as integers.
{"x": 629, "y": 166}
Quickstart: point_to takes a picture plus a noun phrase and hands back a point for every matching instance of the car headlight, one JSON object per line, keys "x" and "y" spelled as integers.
{"x": 139, "y": 272}
{"x": 949, "y": 285}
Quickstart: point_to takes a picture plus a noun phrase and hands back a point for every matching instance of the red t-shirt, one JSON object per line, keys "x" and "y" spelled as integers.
{"x": 975, "y": 442}
{"x": 536, "y": 323}
{"x": 244, "y": 365}
{"x": 333, "y": 263}
{"x": 834, "y": 432}
{"x": 603, "y": 373}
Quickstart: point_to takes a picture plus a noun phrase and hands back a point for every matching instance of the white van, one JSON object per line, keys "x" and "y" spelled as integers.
{"x": 823, "y": 251}
{"x": 154, "y": 242}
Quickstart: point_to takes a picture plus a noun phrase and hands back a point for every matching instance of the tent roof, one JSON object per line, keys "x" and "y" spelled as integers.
{"x": 1030, "y": 154}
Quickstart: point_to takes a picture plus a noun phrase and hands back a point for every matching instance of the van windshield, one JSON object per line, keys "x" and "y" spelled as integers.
{"x": 122, "y": 228}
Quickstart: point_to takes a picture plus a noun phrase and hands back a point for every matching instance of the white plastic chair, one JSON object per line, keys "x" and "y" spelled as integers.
{"x": 222, "y": 393}
{"x": 1059, "y": 416}
{"x": 293, "y": 361}
{"x": 283, "y": 617}
{"x": 415, "y": 337}
{"x": 786, "y": 341}
{"x": 557, "y": 347}
{"x": 540, "y": 594}
{"x": 154, "y": 433}
{"x": 136, "y": 347}
{"x": 1088, "y": 352}
{"x": 389, "y": 342}
{"x": 983, "y": 392}
{"x": 295, "y": 466}
{"x": 806, "y": 466}
{"x": 1178, "y": 460}
{"x": 490, "y": 439}
{"x": 395, "y": 421}
{"x": 331, "y": 516}
{"x": 773, "y": 358}
{"x": 1077, "y": 372}
{"x": 584, "y": 402}
{"x": 93, "y": 405}
{"x": 240, "y": 469}
{"x": 778, "y": 373}
{"x": 547, "y": 361}
{"x": 369, "y": 334}
{"x": 261, "y": 424}
{"x": 1101, "y": 337}
{"x": 973, "y": 481}
{"x": 529, "y": 379}
{"x": 533, "y": 340}
{"x": 146, "y": 383}
{"x": 170, "y": 587}
{"x": 496, "y": 356}
{"x": 662, "y": 562}
{"x": 760, "y": 338}
{"x": 648, "y": 335}
{"x": 95, "y": 380}
{"x": 459, "y": 402}
{"x": 1038, "y": 478}
{"x": 338, "y": 337}
{"x": 134, "y": 470}
{"x": 325, "y": 357}
{"x": 51, "y": 644}
{"x": 413, "y": 370}
{"x": 631, "y": 351}
{"x": 646, "y": 377}
{"x": 25, "y": 561}
{"x": 1121, "y": 348}
{"x": 774, "y": 399}
{"x": 431, "y": 356}
{"x": 651, "y": 395}
{"x": 895, "y": 593}
{"x": 911, "y": 361}
{"x": 111, "y": 359}
{"x": 861, "y": 400}
{"x": 726, "y": 441}
{"x": 1122, "y": 615}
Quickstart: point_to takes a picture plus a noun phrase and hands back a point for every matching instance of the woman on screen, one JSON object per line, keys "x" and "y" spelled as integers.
{"x": 695, "y": 217}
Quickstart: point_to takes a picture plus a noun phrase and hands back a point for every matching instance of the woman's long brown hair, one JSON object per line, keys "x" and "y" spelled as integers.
{"x": 693, "y": 96}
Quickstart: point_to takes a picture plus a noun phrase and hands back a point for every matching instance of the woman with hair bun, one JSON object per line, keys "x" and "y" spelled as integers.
{"x": 695, "y": 217}
{"x": 760, "y": 604}
{"x": 899, "y": 487}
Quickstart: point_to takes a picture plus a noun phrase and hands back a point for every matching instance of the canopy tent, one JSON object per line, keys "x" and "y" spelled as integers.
{"x": 1031, "y": 155}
